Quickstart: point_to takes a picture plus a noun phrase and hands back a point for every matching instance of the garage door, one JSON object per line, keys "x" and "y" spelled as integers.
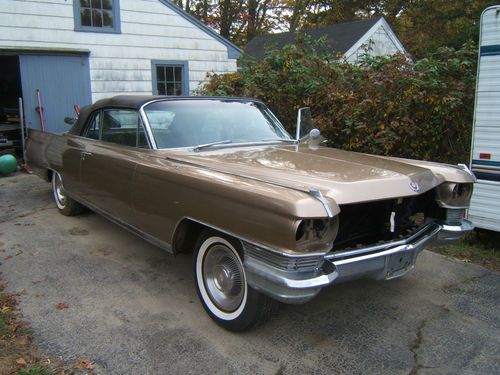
{"x": 63, "y": 81}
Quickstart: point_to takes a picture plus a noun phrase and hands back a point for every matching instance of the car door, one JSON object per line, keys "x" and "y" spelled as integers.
{"x": 115, "y": 138}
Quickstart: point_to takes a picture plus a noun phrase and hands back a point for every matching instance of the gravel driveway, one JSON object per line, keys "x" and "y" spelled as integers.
{"x": 133, "y": 308}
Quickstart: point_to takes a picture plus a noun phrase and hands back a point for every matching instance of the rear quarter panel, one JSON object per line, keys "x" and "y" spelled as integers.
{"x": 47, "y": 151}
{"x": 37, "y": 146}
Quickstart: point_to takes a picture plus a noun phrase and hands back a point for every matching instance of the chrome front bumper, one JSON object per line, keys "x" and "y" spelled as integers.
{"x": 381, "y": 262}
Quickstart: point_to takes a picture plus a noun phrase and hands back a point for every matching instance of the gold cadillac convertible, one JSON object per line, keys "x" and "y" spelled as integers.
{"x": 269, "y": 217}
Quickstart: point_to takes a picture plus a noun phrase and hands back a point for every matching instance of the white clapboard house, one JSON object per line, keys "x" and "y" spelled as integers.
{"x": 485, "y": 157}
{"x": 351, "y": 40}
{"x": 79, "y": 51}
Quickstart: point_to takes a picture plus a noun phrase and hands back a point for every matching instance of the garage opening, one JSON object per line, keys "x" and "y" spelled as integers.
{"x": 10, "y": 92}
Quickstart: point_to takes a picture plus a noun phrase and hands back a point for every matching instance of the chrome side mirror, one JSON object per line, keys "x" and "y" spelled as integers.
{"x": 314, "y": 134}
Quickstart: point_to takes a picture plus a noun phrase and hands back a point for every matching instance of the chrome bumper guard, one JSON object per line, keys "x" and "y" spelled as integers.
{"x": 381, "y": 262}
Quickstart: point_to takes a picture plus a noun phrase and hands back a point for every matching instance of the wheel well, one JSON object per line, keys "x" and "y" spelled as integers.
{"x": 49, "y": 174}
{"x": 185, "y": 236}
{"x": 187, "y": 233}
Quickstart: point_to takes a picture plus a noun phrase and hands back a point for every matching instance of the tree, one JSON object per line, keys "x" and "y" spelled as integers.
{"x": 426, "y": 25}
{"x": 422, "y": 25}
{"x": 257, "y": 18}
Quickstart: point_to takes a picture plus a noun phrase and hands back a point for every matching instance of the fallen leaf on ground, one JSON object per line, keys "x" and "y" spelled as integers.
{"x": 84, "y": 363}
{"x": 21, "y": 362}
{"x": 5, "y": 310}
{"x": 24, "y": 341}
{"x": 62, "y": 306}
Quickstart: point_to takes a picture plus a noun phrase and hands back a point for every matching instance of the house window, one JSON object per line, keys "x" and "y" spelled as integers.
{"x": 97, "y": 15}
{"x": 170, "y": 78}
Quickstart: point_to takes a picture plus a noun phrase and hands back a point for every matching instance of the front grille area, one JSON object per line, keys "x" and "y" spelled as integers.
{"x": 283, "y": 262}
{"x": 370, "y": 223}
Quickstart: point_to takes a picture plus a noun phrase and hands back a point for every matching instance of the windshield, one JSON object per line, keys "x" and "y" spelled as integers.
{"x": 190, "y": 123}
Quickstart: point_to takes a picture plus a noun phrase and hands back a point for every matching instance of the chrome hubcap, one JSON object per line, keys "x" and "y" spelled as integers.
{"x": 223, "y": 277}
{"x": 59, "y": 191}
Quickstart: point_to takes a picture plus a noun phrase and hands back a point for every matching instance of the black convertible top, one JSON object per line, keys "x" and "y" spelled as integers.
{"x": 136, "y": 102}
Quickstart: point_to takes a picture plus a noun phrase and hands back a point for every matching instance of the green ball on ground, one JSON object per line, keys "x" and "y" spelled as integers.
{"x": 8, "y": 164}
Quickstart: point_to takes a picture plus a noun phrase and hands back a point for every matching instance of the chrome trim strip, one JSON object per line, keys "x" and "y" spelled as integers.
{"x": 280, "y": 278}
{"x": 147, "y": 127}
{"x": 295, "y": 264}
{"x": 465, "y": 168}
{"x": 317, "y": 194}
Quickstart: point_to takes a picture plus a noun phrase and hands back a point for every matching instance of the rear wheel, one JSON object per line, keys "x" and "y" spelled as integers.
{"x": 64, "y": 203}
{"x": 222, "y": 287}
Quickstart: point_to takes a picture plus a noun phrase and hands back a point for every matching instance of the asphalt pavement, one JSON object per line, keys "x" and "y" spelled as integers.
{"x": 133, "y": 309}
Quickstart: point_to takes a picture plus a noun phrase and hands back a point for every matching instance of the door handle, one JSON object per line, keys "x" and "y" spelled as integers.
{"x": 84, "y": 154}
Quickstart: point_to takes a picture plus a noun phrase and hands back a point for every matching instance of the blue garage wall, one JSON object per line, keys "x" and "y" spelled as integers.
{"x": 63, "y": 81}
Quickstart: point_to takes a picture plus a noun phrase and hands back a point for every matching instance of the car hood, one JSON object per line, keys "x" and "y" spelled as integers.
{"x": 344, "y": 176}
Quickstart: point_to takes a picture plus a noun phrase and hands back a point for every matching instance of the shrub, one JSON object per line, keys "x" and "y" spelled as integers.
{"x": 383, "y": 105}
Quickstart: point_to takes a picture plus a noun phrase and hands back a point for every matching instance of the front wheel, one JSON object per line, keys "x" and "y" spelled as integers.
{"x": 222, "y": 287}
{"x": 64, "y": 203}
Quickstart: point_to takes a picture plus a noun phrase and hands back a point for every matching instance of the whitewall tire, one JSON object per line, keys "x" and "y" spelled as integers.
{"x": 222, "y": 287}
{"x": 66, "y": 205}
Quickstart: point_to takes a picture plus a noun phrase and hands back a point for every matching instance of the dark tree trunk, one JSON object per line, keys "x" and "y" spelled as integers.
{"x": 225, "y": 18}
{"x": 204, "y": 11}
{"x": 298, "y": 9}
{"x": 252, "y": 19}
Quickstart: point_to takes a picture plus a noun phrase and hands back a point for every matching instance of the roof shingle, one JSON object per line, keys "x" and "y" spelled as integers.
{"x": 339, "y": 37}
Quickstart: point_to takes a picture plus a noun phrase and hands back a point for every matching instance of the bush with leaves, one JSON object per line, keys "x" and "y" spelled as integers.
{"x": 382, "y": 105}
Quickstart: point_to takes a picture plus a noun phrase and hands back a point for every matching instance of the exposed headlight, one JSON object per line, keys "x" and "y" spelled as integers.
{"x": 453, "y": 195}
{"x": 316, "y": 233}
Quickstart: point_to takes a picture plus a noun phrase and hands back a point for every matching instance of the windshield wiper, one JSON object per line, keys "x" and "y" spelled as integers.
{"x": 206, "y": 145}
{"x": 279, "y": 140}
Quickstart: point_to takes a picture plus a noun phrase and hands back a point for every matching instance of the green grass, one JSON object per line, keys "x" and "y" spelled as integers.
{"x": 479, "y": 247}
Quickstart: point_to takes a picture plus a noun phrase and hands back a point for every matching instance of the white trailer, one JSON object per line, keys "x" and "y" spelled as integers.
{"x": 484, "y": 211}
